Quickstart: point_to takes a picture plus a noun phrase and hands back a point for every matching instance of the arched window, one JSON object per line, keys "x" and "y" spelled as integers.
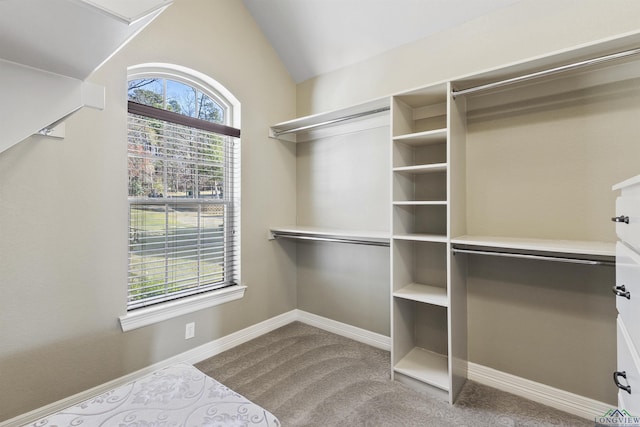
{"x": 184, "y": 192}
{"x": 173, "y": 94}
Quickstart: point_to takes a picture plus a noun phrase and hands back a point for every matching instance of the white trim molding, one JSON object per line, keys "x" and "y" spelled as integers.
{"x": 157, "y": 313}
{"x": 192, "y": 356}
{"x": 537, "y": 392}
{"x": 210, "y": 349}
{"x": 357, "y": 334}
{"x": 550, "y": 396}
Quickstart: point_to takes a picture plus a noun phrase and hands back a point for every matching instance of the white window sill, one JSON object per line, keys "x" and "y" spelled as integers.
{"x": 158, "y": 313}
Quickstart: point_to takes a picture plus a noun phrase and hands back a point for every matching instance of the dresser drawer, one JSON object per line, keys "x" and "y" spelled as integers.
{"x": 627, "y": 364}
{"x": 628, "y": 220}
{"x": 627, "y": 289}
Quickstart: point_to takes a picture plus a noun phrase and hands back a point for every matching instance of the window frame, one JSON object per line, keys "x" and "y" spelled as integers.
{"x": 151, "y": 314}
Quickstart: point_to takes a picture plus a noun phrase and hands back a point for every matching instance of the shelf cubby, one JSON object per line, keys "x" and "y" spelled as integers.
{"x": 420, "y": 342}
{"x": 428, "y": 187}
{"x": 426, "y": 366}
{"x": 420, "y": 262}
{"x": 418, "y": 151}
{"x": 420, "y": 218}
{"x": 420, "y": 111}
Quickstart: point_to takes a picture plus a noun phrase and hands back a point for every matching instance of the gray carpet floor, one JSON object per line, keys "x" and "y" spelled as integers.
{"x": 309, "y": 377}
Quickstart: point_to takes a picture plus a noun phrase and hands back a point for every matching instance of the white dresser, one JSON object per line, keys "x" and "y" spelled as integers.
{"x": 627, "y": 290}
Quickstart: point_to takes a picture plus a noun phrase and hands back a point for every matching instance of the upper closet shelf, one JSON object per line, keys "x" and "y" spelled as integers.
{"x": 307, "y": 128}
{"x": 554, "y": 78}
{"x": 578, "y": 251}
{"x": 360, "y": 237}
{"x": 627, "y": 183}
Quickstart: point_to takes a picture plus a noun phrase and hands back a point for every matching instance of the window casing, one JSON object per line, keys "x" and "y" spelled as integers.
{"x": 184, "y": 192}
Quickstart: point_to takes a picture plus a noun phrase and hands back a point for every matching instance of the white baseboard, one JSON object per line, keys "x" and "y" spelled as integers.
{"x": 559, "y": 399}
{"x": 357, "y": 334}
{"x": 230, "y": 341}
{"x": 206, "y": 351}
{"x": 192, "y": 356}
{"x": 537, "y": 392}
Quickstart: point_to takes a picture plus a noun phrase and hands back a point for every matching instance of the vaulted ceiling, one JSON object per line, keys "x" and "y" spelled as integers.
{"x": 317, "y": 36}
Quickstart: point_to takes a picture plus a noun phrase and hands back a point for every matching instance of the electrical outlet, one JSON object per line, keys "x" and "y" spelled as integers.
{"x": 190, "y": 330}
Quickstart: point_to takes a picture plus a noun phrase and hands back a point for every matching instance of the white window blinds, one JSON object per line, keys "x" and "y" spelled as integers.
{"x": 183, "y": 209}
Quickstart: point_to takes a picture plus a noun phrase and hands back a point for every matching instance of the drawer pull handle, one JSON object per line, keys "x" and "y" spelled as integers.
{"x": 622, "y": 374}
{"x": 621, "y": 291}
{"x": 621, "y": 218}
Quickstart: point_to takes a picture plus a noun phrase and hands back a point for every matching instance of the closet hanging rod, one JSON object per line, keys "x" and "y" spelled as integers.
{"x": 329, "y": 239}
{"x": 548, "y": 72}
{"x": 536, "y": 257}
{"x": 277, "y": 133}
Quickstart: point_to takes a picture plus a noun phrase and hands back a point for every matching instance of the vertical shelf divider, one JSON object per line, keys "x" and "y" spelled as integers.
{"x": 457, "y": 264}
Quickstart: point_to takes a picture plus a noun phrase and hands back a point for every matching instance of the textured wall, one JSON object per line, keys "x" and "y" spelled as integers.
{"x": 64, "y": 214}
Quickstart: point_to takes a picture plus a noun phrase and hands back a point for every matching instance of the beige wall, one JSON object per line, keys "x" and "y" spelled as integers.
{"x": 63, "y": 222}
{"x": 524, "y": 30}
{"x": 339, "y": 185}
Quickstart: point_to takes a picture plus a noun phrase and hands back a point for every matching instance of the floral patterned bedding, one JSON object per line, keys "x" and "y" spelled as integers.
{"x": 180, "y": 395}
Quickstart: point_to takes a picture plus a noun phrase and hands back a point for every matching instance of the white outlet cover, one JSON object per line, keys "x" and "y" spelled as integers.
{"x": 190, "y": 330}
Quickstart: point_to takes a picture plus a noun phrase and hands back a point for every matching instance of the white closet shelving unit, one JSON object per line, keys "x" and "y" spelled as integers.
{"x": 434, "y": 215}
{"x": 428, "y": 316}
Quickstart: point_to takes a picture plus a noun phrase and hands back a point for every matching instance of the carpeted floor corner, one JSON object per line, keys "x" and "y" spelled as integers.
{"x": 309, "y": 377}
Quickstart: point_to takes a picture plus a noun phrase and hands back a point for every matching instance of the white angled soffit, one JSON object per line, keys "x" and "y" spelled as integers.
{"x": 48, "y": 49}
{"x": 35, "y": 100}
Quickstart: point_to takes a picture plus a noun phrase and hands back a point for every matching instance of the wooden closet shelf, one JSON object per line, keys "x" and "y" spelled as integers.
{"x": 421, "y": 237}
{"x": 575, "y": 249}
{"x": 426, "y": 366}
{"x": 420, "y": 203}
{"x": 364, "y": 237}
{"x": 428, "y": 294}
{"x": 420, "y": 169}
{"x": 435, "y": 136}
{"x": 288, "y": 130}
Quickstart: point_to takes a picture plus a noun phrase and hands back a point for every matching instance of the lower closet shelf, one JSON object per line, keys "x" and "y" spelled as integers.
{"x": 426, "y": 366}
{"x": 578, "y": 248}
{"x": 423, "y": 293}
{"x": 361, "y": 237}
